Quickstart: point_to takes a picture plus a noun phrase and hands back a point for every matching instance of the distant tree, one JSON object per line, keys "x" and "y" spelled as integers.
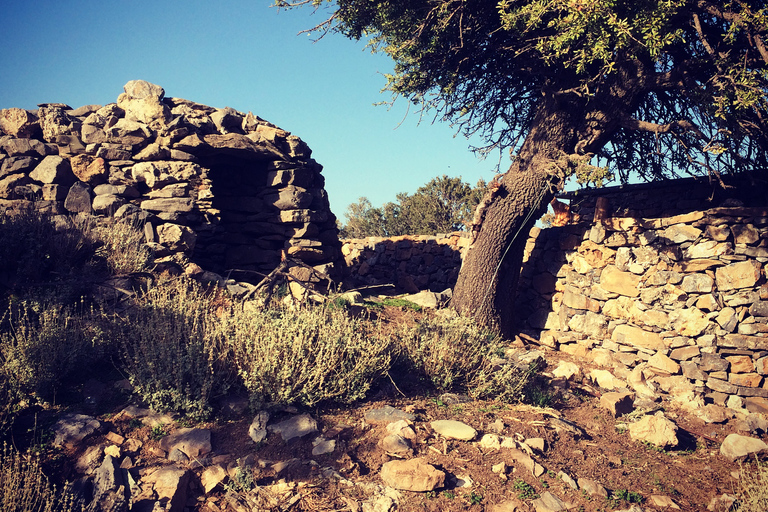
{"x": 443, "y": 205}
{"x": 654, "y": 88}
{"x": 362, "y": 220}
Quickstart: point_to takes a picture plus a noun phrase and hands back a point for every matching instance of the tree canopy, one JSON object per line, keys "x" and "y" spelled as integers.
{"x": 442, "y": 205}
{"x": 665, "y": 86}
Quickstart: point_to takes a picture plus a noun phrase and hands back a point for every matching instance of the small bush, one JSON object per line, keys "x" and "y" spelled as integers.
{"x": 171, "y": 348}
{"x": 752, "y": 494}
{"x": 122, "y": 246}
{"x": 456, "y": 353}
{"x": 24, "y": 488}
{"x": 306, "y": 356}
{"x": 42, "y": 347}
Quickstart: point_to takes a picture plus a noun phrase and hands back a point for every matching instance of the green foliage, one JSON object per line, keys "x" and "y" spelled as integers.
{"x": 158, "y": 432}
{"x": 443, "y": 205}
{"x": 306, "y": 356}
{"x": 42, "y": 347}
{"x": 658, "y": 87}
{"x": 172, "y": 349}
{"x": 524, "y": 490}
{"x": 400, "y": 303}
{"x": 620, "y": 495}
{"x": 458, "y": 354}
{"x": 24, "y": 487}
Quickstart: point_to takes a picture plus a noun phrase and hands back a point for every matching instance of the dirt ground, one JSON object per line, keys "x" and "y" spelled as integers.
{"x": 582, "y": 440}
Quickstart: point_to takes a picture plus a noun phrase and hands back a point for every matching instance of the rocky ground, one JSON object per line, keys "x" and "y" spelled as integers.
{"x": 405, "y": 450}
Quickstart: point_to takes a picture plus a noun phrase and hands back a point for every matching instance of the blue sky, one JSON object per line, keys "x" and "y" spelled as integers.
{"x": 245, "y": 55}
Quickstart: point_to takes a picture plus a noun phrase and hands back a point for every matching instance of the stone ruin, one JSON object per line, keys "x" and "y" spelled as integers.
{"x": 229, "y": 191}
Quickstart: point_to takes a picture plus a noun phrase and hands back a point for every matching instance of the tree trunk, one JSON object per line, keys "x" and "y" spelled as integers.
{"x": 487, "y": 282}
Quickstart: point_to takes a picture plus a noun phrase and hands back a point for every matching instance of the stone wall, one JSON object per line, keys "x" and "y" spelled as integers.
{"x": 665, "y": 283}
{"x": 227, "y": 189}
{"x": 411, "y": 263}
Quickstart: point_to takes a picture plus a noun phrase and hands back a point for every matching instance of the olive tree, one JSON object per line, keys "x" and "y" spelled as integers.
{"x": 590, "y": 88}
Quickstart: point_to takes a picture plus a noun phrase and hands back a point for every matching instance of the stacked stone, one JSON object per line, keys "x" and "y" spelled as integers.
{"x": 229, "y": 189}
{"x": 683, "y": 295}
{"x": 410, "y": 262}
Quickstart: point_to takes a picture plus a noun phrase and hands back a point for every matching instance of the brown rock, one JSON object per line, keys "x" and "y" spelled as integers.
{"x": 634, "y": 336}
{"x": 616, "y": 281}
{"x": 19, "y": 123}
{"x": 745, "y": 234}
{"x": 412, "y": 475}
{"x": 617, "y": 403}
{"x": 743, "y": 274}
{"x": 741, "y": 364}
{"x": 656, "y": 430}
{"x": 749, "y": 380}
{"x": 663, "y": 363}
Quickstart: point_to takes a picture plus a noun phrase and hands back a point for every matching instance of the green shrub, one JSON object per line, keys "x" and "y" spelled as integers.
{"x": 24, "y": 488}
{"x": 306, "y": 356}
{"x": 171, "y": 348}
{"x": 43, "y": 347}
{"x": 457, "y": 354}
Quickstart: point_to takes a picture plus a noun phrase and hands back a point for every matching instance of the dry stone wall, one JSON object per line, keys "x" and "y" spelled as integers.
{"x": 228, "y": 189}
{"x": 665, "y": 283}
{"x": 411, "y": 262}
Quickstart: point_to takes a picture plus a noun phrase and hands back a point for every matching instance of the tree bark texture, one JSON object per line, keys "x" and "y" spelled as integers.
{"x": 487, "y": 282}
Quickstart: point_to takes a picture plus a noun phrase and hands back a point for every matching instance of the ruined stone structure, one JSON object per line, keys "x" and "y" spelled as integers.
{"x": 227, "y": 189}
{"x": 665, "y": 283}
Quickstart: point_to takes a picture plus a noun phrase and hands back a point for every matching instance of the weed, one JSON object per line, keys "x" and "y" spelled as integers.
{"x": 338, "y": 303}
{"x": 158, "y": 432}
{"x": 524, "y": 490}
{"x": 135, "y": 423}
{"x": 650, "y": 446}
{"x": 449, "y": 494}
{"x": 243, "y": 480}
{"x": 475, "y": 499}
{"x": 456, "y": 353}
{"x": 620, "y": 495}
{"x": 551, "y": 473}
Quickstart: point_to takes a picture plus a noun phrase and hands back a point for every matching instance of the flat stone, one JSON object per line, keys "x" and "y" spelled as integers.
{"x": 736, "y": 447}
{"x": 171, "y": 485}
{"x": 660, "y": 501}
{"x": 71, "y": 429}
{"x": 624, "y": 283}
{"x": 194, "y": 442}
{"x": 412, "y": 475}
{"x": 592, "y": 487}
{"x": 637, "y": 337}
{"x": 323, "y": 446}
{"x": 548, "y": 502}
{"x": 452, "y": 429}
{"x": 297, "y": 426}
{"x": 743, "y": 274}
{"x": 664, "y": 363}
{"x": 712, "y": 413}
{"x": 567, "y": 370}
{"x": 680, "y": 233}
{"x": 688, "y": 322}
{"x": 387, "y": 414}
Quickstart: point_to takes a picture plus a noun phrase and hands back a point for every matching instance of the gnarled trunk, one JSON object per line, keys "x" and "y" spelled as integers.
{"x": 487, "y": 282}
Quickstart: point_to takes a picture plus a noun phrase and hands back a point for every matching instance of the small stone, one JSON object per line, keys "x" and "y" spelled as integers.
{"x": 323, "y": 446}
{"x": 71, "y": 429}
{"x": 395, "y": 444}
{"x": 298, "y": 426}
{"x": 548, "y": 502}
{"x": 194, "y": 442}
{"x": 656, "y": 430}
{"x": 660, "y": 501}
{"x": 617, "y": 403}
{"x": 499, "y": 468}
{"x": 177, "y": 455}
{"x": 736, "y": 446}
{"x": 258, "y": 429}
{"x": 412, "y": 475}
{"x": 567, "y": 370}
{"x": 489, "y": 442}
{"x": 113, "y": 451}
{"x": 570, "y": 482}
{"x": 452, "y": 429}
{"x": 212, "y": 477}
{"x": 592, "y": 487}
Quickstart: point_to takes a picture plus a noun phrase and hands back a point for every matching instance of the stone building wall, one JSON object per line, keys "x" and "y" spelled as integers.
{"x": 665, "y": 283}
{"x": 412, "y": 262}
{"x": 225, "y": 188}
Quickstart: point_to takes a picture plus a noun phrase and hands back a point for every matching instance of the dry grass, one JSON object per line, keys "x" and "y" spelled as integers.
{"x": 308, "y": 355}
{"x": 752, "y": 495}
{"x": 24, "y": 488}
